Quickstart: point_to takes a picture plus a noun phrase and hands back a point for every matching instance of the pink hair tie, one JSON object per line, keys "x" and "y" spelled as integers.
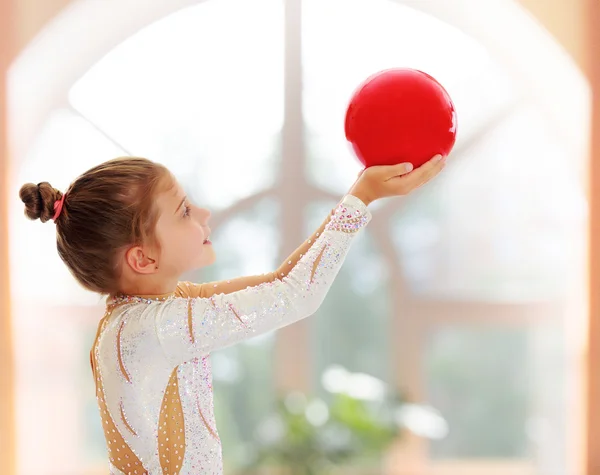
{"x": 58, "y": 206}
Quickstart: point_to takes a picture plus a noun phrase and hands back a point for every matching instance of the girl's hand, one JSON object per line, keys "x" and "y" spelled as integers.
{"x": 384, "y": 181}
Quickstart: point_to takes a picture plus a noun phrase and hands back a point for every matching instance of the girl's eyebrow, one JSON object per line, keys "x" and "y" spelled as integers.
{"x": 182, "y": 201}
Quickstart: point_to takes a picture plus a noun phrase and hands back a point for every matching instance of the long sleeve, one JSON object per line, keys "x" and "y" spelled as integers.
{"x": 195, "y": 326}
{"x": 206, "y": 290}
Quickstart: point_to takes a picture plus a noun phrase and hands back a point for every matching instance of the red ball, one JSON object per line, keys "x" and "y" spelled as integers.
{"x": 400, "y": 115}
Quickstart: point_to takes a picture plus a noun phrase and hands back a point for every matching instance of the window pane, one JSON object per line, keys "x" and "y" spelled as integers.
{"x": 502, "y": 391}
{"x": 243, "y": 374}
{"x": 478, "y": 379}
{"x": 484, "y": 231}
{"x": 201, "y": 91}
{"x": 52, "y": 355}
{"x": 345, "y": 41}
{"x": 352, "y": 326}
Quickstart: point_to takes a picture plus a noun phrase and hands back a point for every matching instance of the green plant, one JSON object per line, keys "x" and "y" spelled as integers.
{"x": 354, "y": 423}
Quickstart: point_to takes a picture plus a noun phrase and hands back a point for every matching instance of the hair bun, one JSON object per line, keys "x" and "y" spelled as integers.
{"x": 39, "y": 200}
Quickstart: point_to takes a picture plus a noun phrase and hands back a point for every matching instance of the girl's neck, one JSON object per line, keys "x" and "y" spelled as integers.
{"x": 150, "y": 289}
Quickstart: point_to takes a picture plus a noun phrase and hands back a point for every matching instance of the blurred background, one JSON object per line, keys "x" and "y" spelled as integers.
{"x": 452, "y": 342}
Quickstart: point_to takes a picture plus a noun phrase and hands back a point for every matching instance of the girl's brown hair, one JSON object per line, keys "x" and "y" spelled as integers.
{"x": 106, "y": 210}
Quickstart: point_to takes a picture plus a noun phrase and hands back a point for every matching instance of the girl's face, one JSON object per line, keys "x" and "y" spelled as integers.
{"x": 183, "y": 233}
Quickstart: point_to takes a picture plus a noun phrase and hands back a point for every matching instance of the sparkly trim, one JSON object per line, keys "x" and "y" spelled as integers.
{"x": 122, "y": 299}
{"x": 317, "y": 262}
{"x": 124, "y": 371}
{"x": 212, "y": 431}
{"x": 171, "y": 428}
{"x": 125, "y": 420}
{"x": 237, "y": 315}
{"x": 346, "y": 220}
{"x": 206, "y": 369}
{"x": 191, "y": 321}
{"x": 121, "y": 456}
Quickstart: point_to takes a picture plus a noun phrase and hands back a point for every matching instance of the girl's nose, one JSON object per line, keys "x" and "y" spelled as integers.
{"x": 204, "y": 215}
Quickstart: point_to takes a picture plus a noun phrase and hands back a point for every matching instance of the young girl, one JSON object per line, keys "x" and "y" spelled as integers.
{"x": 125, "y": 229}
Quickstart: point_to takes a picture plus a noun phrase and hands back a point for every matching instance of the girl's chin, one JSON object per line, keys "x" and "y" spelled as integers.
{"x": 208, "y": 256}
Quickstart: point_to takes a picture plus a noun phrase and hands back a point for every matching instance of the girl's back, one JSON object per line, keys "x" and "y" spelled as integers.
{"x": 152, "y": 411}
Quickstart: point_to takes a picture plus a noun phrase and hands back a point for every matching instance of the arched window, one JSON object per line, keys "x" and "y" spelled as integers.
{"x": 455, "y": 294}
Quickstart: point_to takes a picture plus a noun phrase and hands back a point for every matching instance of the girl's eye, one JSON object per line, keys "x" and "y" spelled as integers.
{"x": 187, "y": 211}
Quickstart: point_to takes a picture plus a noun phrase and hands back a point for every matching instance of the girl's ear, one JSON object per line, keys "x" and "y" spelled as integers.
{"x": 139, "y": 261}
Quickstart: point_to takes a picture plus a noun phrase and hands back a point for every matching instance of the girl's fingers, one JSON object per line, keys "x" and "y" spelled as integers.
{"x": 405, "y": 184}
